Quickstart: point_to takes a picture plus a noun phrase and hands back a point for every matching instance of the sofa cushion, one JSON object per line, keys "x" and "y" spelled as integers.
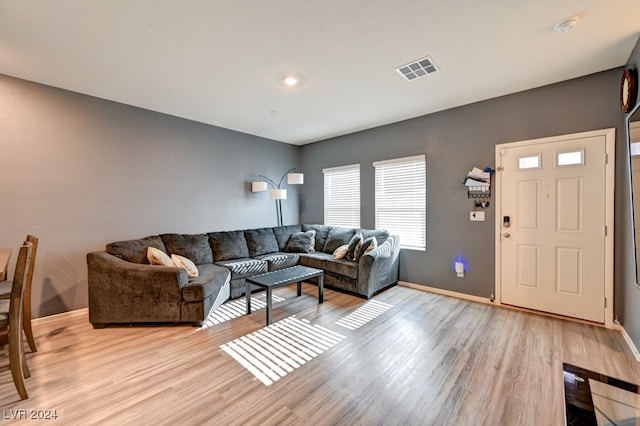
{"x": 354, "y": 247}
{"x": 322, "y": 231}
{"x": 280, "y": 260}
{"x": 283, "y": 233}
{"x": 342, "y": 267}
{"x": 380, "y": 234}
{"x": 261, "y": 241}
{"x": 194, "y": 247}
{"x": 327, "y": 263}
{"x": 210, "y": 280}
{"x": 228, "y": 245}
{"x": 313, "y": 260}
{"x": 337, "y": 237}
{"x": 135, "y": 250}
{"x": 242, "y": 268}
{"x": 186, "y": 264}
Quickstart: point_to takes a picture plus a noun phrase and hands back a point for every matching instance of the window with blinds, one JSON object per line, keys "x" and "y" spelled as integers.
{"x": 342, "y": 196}
{"x": 401, "y": 199}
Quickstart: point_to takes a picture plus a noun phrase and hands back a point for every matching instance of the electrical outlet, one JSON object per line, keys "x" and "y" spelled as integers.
{"x": 476, "y": 216}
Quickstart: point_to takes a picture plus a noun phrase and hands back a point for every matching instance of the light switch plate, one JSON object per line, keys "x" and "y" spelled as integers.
{"x": 476, "y": 216}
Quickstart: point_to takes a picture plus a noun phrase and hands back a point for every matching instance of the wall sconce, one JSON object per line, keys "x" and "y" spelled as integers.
{"x": 276, "y": 193}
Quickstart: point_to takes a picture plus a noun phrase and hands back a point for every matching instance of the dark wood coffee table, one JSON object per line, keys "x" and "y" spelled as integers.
{"x": 271, "y": 280}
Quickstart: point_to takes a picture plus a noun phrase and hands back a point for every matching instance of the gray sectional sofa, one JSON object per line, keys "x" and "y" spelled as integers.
{"x": 125, "y": 288}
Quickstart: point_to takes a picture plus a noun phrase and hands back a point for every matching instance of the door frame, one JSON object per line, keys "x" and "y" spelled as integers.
{"x": 610, "y": 139}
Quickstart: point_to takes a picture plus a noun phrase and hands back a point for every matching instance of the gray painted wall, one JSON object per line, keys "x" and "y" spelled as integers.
{"x": 631, "y": 299}
{"x": 80, "y": 172}
{"x": 456, "y": 140}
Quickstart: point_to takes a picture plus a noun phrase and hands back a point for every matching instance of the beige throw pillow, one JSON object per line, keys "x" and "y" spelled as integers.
{"x": 186, "y": 264}
{"x": 158, "y": 257}
{"x": 340, "y": 252}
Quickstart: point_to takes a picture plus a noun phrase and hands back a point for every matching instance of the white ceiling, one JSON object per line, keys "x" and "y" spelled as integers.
{"x": 220, "y": 62}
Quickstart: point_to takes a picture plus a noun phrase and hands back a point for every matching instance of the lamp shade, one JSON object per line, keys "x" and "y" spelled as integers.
{"x": 278, "y": 194}
{"x": 258, "y": 186}
{"x": 295, "y": 178}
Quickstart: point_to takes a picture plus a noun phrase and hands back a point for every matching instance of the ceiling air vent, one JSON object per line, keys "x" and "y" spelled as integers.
{"x": 417, "y": 69}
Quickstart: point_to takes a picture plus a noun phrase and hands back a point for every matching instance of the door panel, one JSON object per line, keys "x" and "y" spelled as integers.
{"x": 569, "y": 204}
{"x": 529, "y": 205}
{"x": 569, "y": 271}
{"x": 529, "y": 266}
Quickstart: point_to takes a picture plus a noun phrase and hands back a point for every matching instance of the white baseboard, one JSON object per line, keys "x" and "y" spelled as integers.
{"x": 446, "y": 292}
{"x": 62, "y": 315}
{"x": 632, "y": 345}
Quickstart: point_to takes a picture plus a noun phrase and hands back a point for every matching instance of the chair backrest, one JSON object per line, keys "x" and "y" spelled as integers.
{"x": 32, "y": 260}
{"x": 19, "y": 280}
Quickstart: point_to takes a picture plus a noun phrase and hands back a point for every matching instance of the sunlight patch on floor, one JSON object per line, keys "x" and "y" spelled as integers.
{"x": 278, "y": 349}
{"x": 364, "y": 314}
{"x": 236, "y": 308}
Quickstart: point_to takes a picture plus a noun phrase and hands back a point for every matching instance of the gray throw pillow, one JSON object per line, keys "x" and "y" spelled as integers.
{"x": 301, "y": 242}
{"x": 322, "y": 231}
{"x": 367, "y": 245}
{"x": 354, "y": 247}
{"x": 283, "y": 233}
{"x": 380, "y": 234}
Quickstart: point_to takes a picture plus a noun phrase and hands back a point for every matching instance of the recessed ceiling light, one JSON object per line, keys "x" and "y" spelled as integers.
{"x": 290, "y": 80}
{"x": 566, "y": 25}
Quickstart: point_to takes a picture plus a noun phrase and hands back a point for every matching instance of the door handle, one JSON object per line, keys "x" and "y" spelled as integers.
{"x": 506, "y": 235}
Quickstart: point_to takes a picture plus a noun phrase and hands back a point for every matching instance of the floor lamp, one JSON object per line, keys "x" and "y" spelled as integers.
{"x": 276, "y": 192}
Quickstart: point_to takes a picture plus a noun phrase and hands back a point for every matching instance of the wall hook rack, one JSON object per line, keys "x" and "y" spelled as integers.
{"x": 478, "y": 183}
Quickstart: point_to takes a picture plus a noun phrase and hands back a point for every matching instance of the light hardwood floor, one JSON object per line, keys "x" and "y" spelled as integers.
{"x": 428, "y": 360}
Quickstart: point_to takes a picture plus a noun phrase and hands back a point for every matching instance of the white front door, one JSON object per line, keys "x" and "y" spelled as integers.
{"x": 552, "y": 220}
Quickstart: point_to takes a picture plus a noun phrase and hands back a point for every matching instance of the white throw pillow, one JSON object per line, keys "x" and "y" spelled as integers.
{"x": 340, "y": 252}
{"x": 158, "y": 257}
{"x": 186, "y": 264}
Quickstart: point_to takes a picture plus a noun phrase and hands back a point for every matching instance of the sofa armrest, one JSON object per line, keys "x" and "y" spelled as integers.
{"x": 378, "y": 268}
{"x": 123, "y": 292}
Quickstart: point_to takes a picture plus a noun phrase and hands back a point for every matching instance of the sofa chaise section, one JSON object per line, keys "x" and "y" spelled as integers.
{"x": 125, "y": 288}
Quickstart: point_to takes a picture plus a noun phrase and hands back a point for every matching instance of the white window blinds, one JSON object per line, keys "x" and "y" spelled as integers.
{"x": 401, "y": 201}
{"x": 342, "y": 196}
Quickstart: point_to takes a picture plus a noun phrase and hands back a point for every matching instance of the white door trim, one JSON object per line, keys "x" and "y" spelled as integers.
{"x": 610, "y": 138}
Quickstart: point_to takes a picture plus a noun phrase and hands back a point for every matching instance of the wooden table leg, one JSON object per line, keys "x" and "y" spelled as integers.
{"x": 321, "y": 289}
{"x": 299, "y": 288}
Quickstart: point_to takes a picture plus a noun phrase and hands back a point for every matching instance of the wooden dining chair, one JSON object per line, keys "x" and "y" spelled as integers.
{"x": 5, "y": 293}
{"x": 11, "y": 323}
